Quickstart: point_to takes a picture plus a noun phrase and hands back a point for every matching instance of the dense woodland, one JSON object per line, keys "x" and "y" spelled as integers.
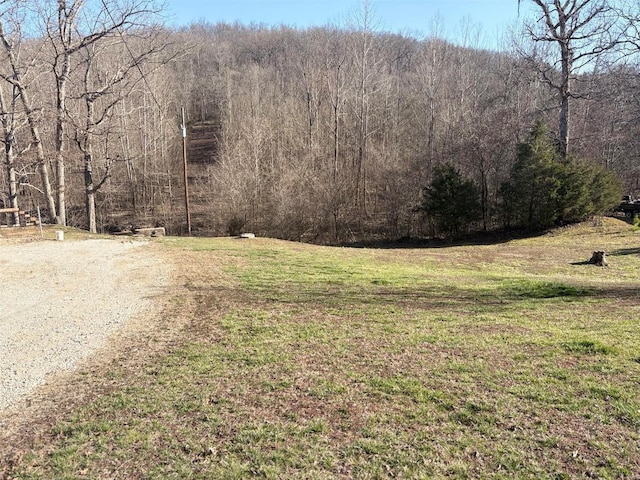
{"x": 331, "y": 134}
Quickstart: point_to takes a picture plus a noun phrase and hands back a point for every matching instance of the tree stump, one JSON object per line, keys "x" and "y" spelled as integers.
{"x": 599, "y": 259}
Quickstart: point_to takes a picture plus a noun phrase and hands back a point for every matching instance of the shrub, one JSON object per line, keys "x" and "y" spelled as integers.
{"x": 235, "y": 225}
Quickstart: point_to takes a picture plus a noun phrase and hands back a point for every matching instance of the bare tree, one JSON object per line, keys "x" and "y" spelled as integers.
{"x": 364, "y": 25}
{"x": 72, "y": 25}
{"x": 96, "y": 86}
{"x": 111, "y": 70}
{"x": 11, "y": 41}
{"x": 581, "y": 30}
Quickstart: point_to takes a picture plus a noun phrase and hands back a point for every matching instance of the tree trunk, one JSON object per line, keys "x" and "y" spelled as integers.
{"x": 565, "y": 96}
{"x": 8, "y": 128}
{"x": 60, "y": 140}
{"x": 90, "y": 191}
{"x": 89, "y": 187}
{"x": 42, "y": 162}
{"x": 336, "y": 99}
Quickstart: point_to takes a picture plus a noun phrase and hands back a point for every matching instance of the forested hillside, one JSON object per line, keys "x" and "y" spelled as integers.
{"x": 327, "y": 134}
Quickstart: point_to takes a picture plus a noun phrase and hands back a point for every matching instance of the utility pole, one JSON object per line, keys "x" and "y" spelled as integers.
{"x": 186, "y": 177}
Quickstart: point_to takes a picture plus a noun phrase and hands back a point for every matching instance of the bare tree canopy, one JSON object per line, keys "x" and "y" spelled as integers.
{"x": 73, "y": 25}
{"x": 580, "y": 31}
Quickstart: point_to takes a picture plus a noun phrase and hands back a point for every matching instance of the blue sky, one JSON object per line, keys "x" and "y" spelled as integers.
{"x": 412, "y": 17}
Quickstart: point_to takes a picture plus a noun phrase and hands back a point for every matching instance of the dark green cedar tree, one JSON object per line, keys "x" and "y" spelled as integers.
{"x": 451, "y": 201}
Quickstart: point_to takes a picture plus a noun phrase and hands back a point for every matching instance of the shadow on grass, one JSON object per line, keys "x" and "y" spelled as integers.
{"x": 620, "y": 292}
{"x": 586, "y": 262}
{"x": 338, "y": 295}
{"x": 625, "y": 251}
{"x": 541, "y": 289}
{"x": 492, "y": 238}
{"x": 422, "y": 297}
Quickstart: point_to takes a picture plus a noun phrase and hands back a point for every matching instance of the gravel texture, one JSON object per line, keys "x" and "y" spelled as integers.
{"x": 60, "y": 301}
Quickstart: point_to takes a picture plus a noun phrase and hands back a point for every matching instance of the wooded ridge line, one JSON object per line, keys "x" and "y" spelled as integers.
{"x": 323, "y": 134}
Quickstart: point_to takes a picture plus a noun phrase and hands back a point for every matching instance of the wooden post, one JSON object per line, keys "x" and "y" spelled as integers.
{"x": 186, "y": 177}
{"x": 40, "y": 223}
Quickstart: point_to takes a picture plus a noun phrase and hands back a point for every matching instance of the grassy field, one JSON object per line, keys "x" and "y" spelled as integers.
{"x": 513, "y": 360}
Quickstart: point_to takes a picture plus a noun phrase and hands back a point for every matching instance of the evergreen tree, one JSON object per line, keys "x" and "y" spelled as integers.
{"x": 605, "y": 188}
{"x": 451, "y": 200}
{"x": 545, "y": 189}
{"x": 533, "y": 190}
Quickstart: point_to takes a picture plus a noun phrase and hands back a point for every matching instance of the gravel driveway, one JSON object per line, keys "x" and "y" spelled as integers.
{"x": 60, "y": 301}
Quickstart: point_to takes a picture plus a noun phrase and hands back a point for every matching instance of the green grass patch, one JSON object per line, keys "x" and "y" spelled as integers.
{"x": 588, "y": 347}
